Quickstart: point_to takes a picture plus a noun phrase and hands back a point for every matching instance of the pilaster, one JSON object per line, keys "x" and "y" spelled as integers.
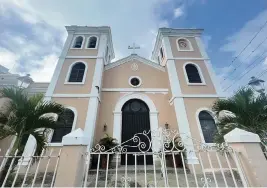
{"x": 93, "y": 104}
{"x": 179, "y": 106}
{"x": 214, "y": 79}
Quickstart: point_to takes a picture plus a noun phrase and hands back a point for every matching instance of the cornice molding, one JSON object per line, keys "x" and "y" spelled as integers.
{"x": 134, "y": 57}
{"x": 63, "y": 95}
{"x": 160, "y": 90}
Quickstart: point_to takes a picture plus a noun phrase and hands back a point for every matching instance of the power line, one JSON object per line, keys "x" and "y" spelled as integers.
{"x": 250, "y": 65}
{"x": 255, "y": 65}
{"x": 262, "y": 73}
{"x": 246, "y": 58}
{"x": 249, "y": 43}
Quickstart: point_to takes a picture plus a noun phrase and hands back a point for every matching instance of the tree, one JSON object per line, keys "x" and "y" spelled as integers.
{"x": 247, "y": 112}
{"x": 23, "y": 115}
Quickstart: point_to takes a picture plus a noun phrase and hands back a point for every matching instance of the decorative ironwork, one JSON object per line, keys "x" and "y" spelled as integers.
{"x": 167, "y": 140}
{"x": 206, "y": 182}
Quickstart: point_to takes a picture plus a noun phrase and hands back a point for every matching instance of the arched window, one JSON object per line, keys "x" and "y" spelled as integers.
{"x": 92, "y": 42}
{"x": 106, "y": 55}
{"x": 161, "y": 53}
{"x": 208, "y": 126}
{"x": 78, "y": 42}
{"x": 64, "y": 125}
{"x": 184, "y": 45}
{"x": 77, "y": 72}
{"x": 192, "y": 74}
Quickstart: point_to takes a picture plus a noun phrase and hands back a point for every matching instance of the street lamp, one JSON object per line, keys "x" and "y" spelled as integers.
{"x": 257, "y": 84}
{"x": 24, "y": 81}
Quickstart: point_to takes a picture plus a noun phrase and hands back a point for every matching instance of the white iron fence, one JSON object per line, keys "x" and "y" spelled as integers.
{"x": 29, "y": 171}
{"x": 148, "y": 159}
{"x": 161, "y": 161}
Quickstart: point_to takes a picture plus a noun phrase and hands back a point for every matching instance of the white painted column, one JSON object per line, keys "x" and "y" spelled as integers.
{"x": 154, "y": 126}
{"x": 117, "y": 126}
{"x": 61, "y": 59}
{"x": 179, "y": 106}
{"x": 93, "y": 105}
{"x": 212, "y": 74}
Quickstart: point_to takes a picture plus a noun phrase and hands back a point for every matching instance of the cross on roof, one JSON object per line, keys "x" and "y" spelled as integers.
{"x": 133, "y": 47}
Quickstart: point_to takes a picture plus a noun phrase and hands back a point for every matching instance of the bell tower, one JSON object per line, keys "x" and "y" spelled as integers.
{"x": 77, "y": 79}
{"x": 192, "y": 81}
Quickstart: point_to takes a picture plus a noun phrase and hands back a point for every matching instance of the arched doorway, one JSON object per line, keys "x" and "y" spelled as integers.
{"x": 135, "y": 119}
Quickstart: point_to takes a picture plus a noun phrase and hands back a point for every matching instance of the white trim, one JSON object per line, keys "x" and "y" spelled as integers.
{"x": 170, "y": 65}
{"x": 92, "y": 111}
{"x": 199, "y": 125}
{"x": 74, "y": 124}
{"x": 188, "y": 42}
{"x": 199, "y": 72}
{"x": 73, "y": 42}
{"x": 160, "y": 90}
{"x": 145, "y": 98}
{"x": 58, "y": 68}
{"x": 212, "y": 74}
{"x": 84, "y": 57}
{"x": 179, "y": 106}
{"x": 153, "y": 115}
{"x": 88, "y": 39}
{"x": 196, "y": 96}
{"x": 69, "y": 71}
{"x": 85, "y": 30}
{"x": 140, "y": 81}
{"x": 169, "y": 32}
{"x": 130, "y": 59}
{"x": 63, "y": 95}
{"x": 241, "y": 136}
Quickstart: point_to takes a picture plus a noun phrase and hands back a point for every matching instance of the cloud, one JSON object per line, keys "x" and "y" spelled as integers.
{"x": 235, "y": 43}
{"x": 35, "y": 29}
{"x": 178, "y": 12}
{"x": 47, "y": 66}
{"x": 7, "y": 58}
{"x": 206, "y": 40}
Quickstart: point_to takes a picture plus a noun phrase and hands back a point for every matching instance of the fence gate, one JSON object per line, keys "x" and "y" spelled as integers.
{"x": 216, "y": 166}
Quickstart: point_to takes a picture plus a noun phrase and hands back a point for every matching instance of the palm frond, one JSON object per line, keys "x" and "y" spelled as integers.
{"x": 40, "y": 141}
{"x": 249, "y": 112}
{"x": 48, "y": 107}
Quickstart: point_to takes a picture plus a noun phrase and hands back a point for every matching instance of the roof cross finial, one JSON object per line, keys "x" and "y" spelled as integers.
{"x": 133, "y": 47}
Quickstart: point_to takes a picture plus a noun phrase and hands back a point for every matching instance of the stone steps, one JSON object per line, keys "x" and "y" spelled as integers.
{"x": 149, "y": 179}
{"x": 141, "y": 179}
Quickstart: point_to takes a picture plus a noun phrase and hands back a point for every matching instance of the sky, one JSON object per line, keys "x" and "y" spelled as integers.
{"x": 32, "y": 32}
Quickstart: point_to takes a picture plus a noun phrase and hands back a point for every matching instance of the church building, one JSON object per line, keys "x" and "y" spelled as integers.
{"x": 175, "y": 89}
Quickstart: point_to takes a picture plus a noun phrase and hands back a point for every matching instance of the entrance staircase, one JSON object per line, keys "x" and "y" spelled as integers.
{"x": 146, "y": 178}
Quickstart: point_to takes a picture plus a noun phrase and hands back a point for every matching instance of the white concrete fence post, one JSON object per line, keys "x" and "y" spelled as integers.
{"x": 251, "y": 156}
{"x": 72, "y": 160}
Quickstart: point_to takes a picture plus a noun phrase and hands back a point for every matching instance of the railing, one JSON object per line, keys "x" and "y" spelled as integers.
{"x": 29, "y": 171}
{"x": 118, "y": 167}
{"x": 160, "y": 161}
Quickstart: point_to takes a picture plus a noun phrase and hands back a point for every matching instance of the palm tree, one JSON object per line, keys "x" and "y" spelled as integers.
{"x": 247, "y": 112}
{"x": 23, "y": 116}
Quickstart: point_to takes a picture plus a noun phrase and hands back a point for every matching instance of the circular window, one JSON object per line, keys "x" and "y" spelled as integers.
{"x": 135, "y": 81}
